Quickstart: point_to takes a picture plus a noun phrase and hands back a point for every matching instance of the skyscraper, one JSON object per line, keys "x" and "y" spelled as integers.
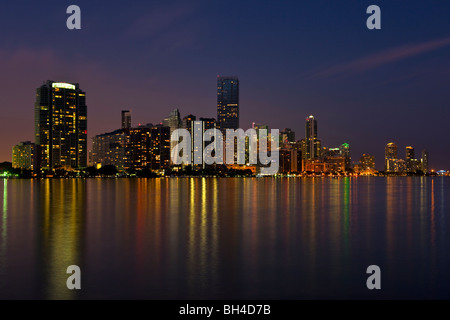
{"x": 344, "y": 151}
{"x": 409, "y": 154}
{"x": 390, "y": 157}
{"x": 312, "y": 144}
{"x": 126, "y": 119}
{"x": 61, "y": 125}
{"x": 228, "y": 102}
{"x": 425, "y": 161}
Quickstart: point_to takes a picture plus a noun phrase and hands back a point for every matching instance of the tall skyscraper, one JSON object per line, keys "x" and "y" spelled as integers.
{"x": 228, "y": 102}
{"x": 61, "y": 125}
{"x": 312, "y": 144}
{"x": 425, "y": 161}
{"x": 409, "y": 154}
{"x": 126, "y": 119}
{"x": 390, "y": 157}
{"x": 344, "y": 151}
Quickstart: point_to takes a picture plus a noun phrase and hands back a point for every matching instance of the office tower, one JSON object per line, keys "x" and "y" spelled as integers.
{"x": 425, "y": 161}
{"x": 367, "y": 162}
{"x": 312, "y": 147}
{"x": 390, "y": 157}
{"x": 23, "y": 156}
{"x": 61, "y": 125}
{"x": 227, "y": 103}
{"x": 412, "y": 164}
{"x": 126, "y": 119}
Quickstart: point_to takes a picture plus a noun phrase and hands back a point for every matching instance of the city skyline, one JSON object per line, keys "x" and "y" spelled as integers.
{"x": 64, "y": 106}
{"x": 368, "y": 88}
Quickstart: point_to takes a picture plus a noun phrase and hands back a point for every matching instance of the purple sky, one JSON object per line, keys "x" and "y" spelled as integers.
{"x": 293, "y": 59}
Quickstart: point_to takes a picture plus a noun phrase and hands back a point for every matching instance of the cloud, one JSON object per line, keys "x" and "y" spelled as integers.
{"x": 382, "y": 58}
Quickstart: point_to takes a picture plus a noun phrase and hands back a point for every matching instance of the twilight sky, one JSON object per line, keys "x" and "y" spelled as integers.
{"x": 293, "y": 59}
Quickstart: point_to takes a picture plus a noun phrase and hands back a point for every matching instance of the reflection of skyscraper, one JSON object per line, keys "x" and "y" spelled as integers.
{"x": 61, "y": 125}
{"x": 126, "y": 119}
{"x": 312, "y": 144}
{"x": 228, "y": 102}
{"x": 390, "y": 157}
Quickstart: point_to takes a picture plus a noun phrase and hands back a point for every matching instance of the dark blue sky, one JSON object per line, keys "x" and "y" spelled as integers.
{"x": 293, "y": 59}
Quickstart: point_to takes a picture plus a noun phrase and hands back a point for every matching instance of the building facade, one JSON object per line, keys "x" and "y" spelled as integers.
{"x": 24, "y": 156}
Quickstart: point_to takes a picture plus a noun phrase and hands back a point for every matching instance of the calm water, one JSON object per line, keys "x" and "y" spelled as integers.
{"x": 208, "y": 238}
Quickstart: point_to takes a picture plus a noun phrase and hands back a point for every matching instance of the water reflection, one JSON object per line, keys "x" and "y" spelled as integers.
{"x": 4, "y": 230}
{"x": 207, "y": 238}
{"x": 61, "y": 207}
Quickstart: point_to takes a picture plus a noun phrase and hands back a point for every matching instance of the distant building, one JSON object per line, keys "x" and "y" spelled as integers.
{"x": 112, "y": 148}
{"x": 329, "y": 166}
{"x": 61, "y": 126}
{"x": 290, "y": 158}
{"x": 23, "y": 156}
{"x": 424, "y": 161}
{"x": 126, "y": 119}
{"x": 227, "y": 102}
{"x": 150, "y": 147}
{"x": 390, "y": 157}
{"x": 187, "y": 122}
{"x": 344, "y": 151}
{"x": 198, "y": 144}
{"x": 287, "y": 136}
{"x": 367, "y": 162}
{"x": 312, "y": 145}
{"x": 400, "y": 166}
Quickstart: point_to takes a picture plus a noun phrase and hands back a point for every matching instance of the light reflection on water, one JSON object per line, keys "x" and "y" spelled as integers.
{"x": 209, "y": 238}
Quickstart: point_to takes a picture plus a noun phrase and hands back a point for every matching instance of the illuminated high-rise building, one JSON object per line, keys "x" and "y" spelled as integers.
{"x": 227, "y": 102}
{"x": 367, "y": 162}
{"x": 409, "y": 154}
{"x": 412, "y": 164}
{"x": 126, "y": 119}
{"x": 61, "y": 126}
{"x": 312, "y": 147}
{"x": 390, "y": 157}
{"x": 23, "y": 156}
{"x": 425, "y": 161}
{"x": 344, "y": 151}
